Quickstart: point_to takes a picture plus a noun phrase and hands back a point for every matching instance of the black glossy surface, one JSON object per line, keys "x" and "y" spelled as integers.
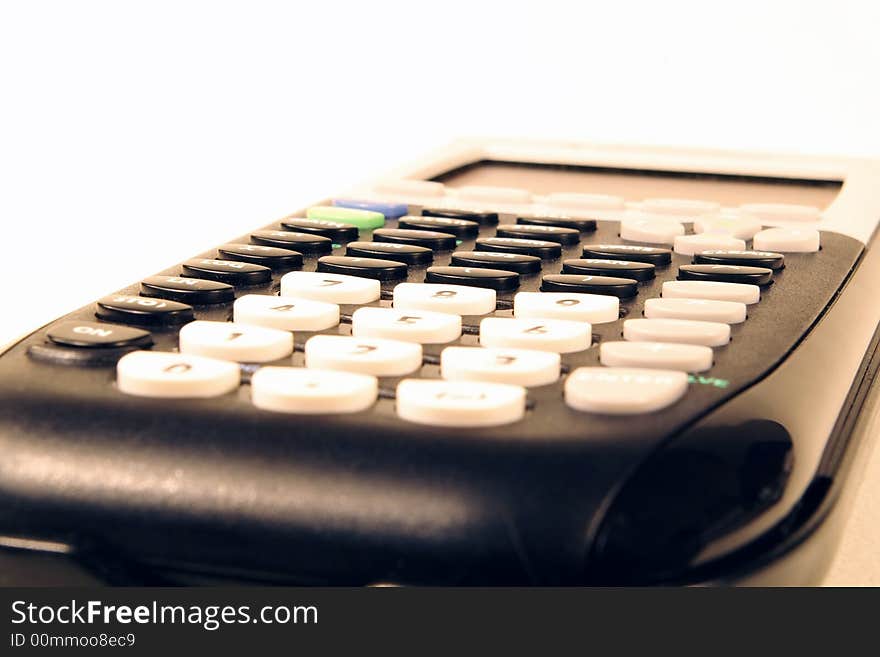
{"x": 582, "y": 225}
{"x": 429, "y": 239}
{"x": 521, "y": 264}
{"x": 98, "y": 335}
{"x": 561, "y": 234}
{"x": 652, "y": 254}
{"x": 624, "y": 288}
{"x": 275, "y": 258}
{"x": 133, "y": 309}
{"x": 382, "y": 270}
{"x": 193, "y": 291}
{"x": 538, "y": 248}
{"x": 459, "y": 227}
{"x": 496, "y": 279}
{"x": 767, "y": 259}
{"x": 367, "y": 497}
{"x": 305, "y": 243}
{"x": 726, "y": 274}
{"x": 482, "y": 218}
{"x": 640, "y": 271}
{"x": 227, "y": 271}
{"x": 408, "y": 253}
{"x": 333, "y": 230}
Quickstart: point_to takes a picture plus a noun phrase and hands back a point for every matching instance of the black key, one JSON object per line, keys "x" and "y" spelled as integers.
{"x": 194, "y": 291}
{"x": 748, "y": 258}
{"x": 726, "y": 274}
{"x": 538, "y": 248}
{"x": 640, "y": 271}
{"x": 272, "y": 257}
{"x": 49, "y": 352}
{"x": 408, "y": 253}
{"x": 496, "y": 279}
{"x": 427, "y": 238}
{"x": 618, "y": 287}
{"x": 228, "y": 271}
{"x": 131, "y": 309}
{"x": 652, "y": 254}
{"x": 482, "y": 218}
{"x": 521, "y": 264}
{"x": 383, "y": 270}
{"x": 333, "y": 230}
{"x": 565, "y": 236}
{"x": 302, "y": 242}
{"x": 461, "y": 228}
{"x": 97, "y": 335}
{"x": 582, "y": 225}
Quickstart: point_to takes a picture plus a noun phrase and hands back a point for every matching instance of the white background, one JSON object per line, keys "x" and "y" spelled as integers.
{"x": 133, "y": 134}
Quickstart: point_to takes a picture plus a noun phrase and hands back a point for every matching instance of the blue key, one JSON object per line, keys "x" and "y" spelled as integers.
{"x": 390, "y": 210}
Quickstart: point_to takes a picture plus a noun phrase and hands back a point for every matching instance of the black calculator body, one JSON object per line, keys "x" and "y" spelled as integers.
{"x": 726, "y": 456}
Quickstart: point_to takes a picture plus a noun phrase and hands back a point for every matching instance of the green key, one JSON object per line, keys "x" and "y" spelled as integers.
{"x": 365, "y": 219}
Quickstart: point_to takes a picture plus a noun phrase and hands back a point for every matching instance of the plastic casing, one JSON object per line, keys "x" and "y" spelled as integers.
{"x": 753, "y": 490}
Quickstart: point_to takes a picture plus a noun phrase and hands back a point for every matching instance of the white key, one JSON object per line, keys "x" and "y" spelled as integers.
{"x": 243, "y": 343}
{"x": 494, "y": 194}
{"x": 285, "y": 313}
{"x": 623, "y": 391}
{"x": 787, "y": 240}
{"x": 741, "y": 226}
{"x": 593, "y": 308}
{"x": 437, "y": 297}
{"x": 705, "y": 310}
{"x": 656, "y": 355}
{"x": 330, "y": 288}
{"x": 460, "y": 403}
{"x": 403, "y": 187}
{"x": 524, "y": 367}
{"x": 782, "y": 211}
{"x": 584, "y": 202}
{"x": 421, "y": 326}
{"x": 164, "y": 374}
{"x": 652, "y": 231}
{"x": 691, "y": 244}
{"x": 679, "y": 206}
{"x": 683, "y": 331}
{"x": 363, "y": 355}
{"x": 557, "y": 335}
{"x": 718, "y": 290}
{"x": 304, "y": 390}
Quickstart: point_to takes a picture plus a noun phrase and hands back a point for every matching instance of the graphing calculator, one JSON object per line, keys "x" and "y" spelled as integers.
{"x": 514, "y": 363}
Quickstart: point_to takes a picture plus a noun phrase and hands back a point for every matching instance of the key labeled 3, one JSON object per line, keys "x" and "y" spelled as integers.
{"x": 234, "y": 341}
{"x": 285, "y": 313}
{"x": 363, "y": 355}
{"x": 163, "y": 374}
{"x": 523, "y": 367}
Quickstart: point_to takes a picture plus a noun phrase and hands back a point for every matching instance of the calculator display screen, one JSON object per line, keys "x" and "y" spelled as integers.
{"x": 633, "y": 184}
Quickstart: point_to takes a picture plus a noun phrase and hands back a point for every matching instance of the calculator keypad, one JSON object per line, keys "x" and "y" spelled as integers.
{"x": 449, "y": 296}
